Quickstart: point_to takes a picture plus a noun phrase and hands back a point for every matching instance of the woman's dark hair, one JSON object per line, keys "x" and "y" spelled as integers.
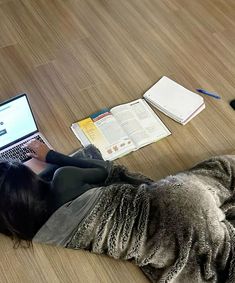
{"x": 23, "y": 207}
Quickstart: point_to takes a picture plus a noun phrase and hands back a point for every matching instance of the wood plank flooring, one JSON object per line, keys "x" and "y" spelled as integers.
{"x": 74, "y": 57}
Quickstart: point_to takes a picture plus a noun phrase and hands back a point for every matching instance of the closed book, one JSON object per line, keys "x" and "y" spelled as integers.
{"x": 174, "y": 100}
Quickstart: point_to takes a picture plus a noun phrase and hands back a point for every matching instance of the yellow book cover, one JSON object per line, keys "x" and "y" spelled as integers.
{"x": 92, "y": 132}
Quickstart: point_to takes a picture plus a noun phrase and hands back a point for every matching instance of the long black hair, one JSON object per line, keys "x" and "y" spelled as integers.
{"x": 23, "y": 206}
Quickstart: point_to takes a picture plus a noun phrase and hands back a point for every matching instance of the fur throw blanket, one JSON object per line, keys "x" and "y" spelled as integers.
{"x": 179, "y": 229}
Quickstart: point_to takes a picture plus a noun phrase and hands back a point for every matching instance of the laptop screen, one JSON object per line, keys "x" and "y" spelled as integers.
{"x": 16, "y": 120}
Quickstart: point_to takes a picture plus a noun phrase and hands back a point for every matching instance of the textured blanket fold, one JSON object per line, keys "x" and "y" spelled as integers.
{"x": 179, "y": 229}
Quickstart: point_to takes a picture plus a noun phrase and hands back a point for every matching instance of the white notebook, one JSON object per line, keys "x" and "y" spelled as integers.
{"x": 175, "y": 100}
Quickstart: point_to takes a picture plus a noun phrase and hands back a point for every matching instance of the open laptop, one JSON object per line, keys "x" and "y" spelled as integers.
{"x": 17, "y": 126}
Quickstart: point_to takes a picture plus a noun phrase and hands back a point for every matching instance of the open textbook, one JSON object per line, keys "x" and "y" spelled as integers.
{"x": 122, "y": 129}
{"x": 175, "y": 100}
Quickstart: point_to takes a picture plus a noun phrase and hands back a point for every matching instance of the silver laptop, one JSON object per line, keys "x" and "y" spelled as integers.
{"x": 17, "y": 126}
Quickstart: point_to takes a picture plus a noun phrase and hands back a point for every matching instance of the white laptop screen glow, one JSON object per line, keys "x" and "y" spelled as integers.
{"x": 16, "y": 120}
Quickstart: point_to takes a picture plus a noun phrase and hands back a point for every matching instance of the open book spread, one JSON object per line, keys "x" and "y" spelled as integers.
{"x": 174, "y": 100}
{"x": 122, "y": 129}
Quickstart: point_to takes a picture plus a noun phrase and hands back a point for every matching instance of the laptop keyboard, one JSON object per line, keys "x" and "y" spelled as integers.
{"x": 18, "y": 153}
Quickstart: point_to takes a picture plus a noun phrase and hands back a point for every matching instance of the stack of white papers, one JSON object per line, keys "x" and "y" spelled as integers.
{"x": 174, "y": 100}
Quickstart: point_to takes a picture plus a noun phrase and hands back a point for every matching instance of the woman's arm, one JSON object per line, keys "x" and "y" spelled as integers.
{"x": 42, "y": 152}
{"x": 64, "y": 160}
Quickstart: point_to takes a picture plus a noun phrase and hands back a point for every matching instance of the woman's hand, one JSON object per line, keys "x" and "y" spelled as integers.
{"x": 39, "y": 149}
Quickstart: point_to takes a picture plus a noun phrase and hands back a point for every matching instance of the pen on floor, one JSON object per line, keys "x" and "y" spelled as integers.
{"x": 208, "y": 93}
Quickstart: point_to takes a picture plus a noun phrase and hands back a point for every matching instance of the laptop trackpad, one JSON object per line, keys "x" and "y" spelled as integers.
{"x": 36, "y": 165}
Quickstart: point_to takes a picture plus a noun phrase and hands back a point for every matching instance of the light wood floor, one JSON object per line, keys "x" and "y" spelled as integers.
{"x": 74, "y": 57}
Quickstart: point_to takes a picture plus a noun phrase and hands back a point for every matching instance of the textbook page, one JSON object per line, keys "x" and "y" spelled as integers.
{"x": 119, "y": 143}
{"x": 140, "y": 122}
{"x": 102, "y": 130}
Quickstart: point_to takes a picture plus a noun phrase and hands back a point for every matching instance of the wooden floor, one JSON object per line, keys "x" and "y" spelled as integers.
{"x": 74, "y": 57}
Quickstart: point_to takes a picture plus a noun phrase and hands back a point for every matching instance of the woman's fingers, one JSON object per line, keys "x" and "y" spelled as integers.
{"x": 39, "y": 149}
{"x": 31, "y": 154}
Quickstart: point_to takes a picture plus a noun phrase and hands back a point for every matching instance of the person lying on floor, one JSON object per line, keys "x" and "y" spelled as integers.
{"x": 178, "y": 229}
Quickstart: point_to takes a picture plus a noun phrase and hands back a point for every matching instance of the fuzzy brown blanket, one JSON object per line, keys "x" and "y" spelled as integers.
{"x": 179, "y": 229}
